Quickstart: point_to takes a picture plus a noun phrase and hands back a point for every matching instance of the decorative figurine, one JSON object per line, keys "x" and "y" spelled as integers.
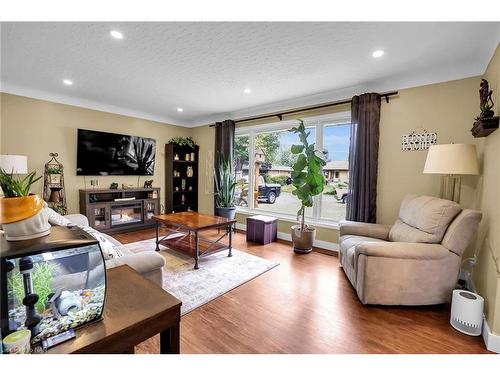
{"x": 485, "y": 102}
{"x": 189, "y": 172}
{"x": 148, "y": 184}
{"x": 114, "y": 185}
{"x": 176, "y": 157}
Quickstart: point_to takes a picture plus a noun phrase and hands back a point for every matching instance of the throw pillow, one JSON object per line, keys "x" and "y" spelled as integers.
{"x": 56, "y": 219}
{"x": 109, "y": 250}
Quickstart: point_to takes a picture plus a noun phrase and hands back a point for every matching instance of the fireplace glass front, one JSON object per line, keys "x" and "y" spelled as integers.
{"x": 126, "y": 214}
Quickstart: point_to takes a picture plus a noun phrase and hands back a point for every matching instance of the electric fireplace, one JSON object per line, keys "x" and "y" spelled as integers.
{"x": 124, "y": 214}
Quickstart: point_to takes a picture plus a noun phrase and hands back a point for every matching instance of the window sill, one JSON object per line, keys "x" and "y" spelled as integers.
{"x": 288, "y": 218}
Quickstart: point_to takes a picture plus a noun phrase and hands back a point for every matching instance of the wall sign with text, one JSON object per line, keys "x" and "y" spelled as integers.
{"x": 418, "y": 140}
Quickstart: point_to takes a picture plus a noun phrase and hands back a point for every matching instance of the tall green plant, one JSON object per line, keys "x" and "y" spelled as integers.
{"x": 225, "y": 182}
{"x": 307, "y": 173}
{"x": 15, "y": 186}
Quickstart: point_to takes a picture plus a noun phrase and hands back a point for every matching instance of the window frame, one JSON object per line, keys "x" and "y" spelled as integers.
{"x": 319, "y": 123}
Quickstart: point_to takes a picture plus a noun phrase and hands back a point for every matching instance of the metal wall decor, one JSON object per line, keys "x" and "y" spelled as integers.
{"x": 418, "y": 140}
{"x": 54, "y": 192}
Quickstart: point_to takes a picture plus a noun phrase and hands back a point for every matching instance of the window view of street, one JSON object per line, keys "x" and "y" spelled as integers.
{"x": 272, "y": 171}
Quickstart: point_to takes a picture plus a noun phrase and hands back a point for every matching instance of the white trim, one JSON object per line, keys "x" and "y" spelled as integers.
{"x": 289, "y": 218}
{"x": 326, "y": 245}
{"x": 491, "y": 340}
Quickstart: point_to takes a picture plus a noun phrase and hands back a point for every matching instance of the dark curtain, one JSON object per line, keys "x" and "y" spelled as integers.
{"x": 224, "y": 142}
{"x": 363, "y": 158}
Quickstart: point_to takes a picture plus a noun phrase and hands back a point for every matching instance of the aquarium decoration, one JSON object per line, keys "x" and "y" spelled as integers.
{"x": 52, "y": 286}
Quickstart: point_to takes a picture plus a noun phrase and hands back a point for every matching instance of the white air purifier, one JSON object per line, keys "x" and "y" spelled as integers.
{"x": 467, "y": 312}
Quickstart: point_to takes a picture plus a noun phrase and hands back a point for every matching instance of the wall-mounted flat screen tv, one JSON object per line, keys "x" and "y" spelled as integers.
{"x": 102, "y": 154}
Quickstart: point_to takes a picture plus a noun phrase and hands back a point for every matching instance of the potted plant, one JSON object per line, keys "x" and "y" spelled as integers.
{"x": 309, "y": 181}
{"x": 183, "y": 142}
{"x": 22, "y": 213}
{"x": 225, "y": 185}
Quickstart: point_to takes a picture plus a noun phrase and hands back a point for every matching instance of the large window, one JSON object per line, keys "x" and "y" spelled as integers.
{"x": 263, "y": 161}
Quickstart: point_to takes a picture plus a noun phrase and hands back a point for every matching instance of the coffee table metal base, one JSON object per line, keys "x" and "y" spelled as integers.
{"x": 190, "y": 242}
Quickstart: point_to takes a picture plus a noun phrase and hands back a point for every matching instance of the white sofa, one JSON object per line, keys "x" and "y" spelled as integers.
{"x": 148, "y": 263}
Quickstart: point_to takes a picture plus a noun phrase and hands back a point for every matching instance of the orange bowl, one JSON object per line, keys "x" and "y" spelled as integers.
{"x": 19, "y": 208}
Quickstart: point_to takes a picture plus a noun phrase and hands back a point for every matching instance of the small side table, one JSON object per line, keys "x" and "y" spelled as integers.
{"x": 135, "y": 310}
{"x": 262, "y": 229}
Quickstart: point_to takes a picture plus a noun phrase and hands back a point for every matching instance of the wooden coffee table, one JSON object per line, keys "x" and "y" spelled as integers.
{"x": 184, "y": 234}
{"x": 135, "y": 310}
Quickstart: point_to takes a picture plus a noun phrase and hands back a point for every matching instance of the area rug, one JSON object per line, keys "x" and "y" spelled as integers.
{"x": 218, "y": 274}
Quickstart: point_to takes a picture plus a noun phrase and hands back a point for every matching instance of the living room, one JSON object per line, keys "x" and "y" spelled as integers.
{"x": 250, "y": 187}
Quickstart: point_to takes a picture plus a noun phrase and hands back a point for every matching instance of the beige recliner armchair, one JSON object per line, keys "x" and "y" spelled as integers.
{"x": 416, "y": 261}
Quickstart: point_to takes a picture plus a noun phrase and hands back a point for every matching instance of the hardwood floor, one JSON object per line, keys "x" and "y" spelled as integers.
{"x": 307, "y": 305}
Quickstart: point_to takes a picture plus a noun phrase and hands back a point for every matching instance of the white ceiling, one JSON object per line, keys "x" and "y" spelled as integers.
{"x": 204, "y": 67}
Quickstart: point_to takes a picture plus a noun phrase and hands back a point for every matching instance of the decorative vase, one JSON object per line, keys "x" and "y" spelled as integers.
{"x": 192, "y": 156}
{"x": 187, "y": 157}
{"x": 302, "y": 240}
{"x": 24, "y": 218}
{"x": 183, "y": 184}
{"x": 189, "y": 172}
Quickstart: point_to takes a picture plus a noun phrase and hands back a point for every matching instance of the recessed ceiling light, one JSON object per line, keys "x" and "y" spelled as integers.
{"x": 378, "y": 53}
{"x": 67, "y": 82}
{"x": 116, "y": 34}
{"x": 247, "y": 91}
{"x": 180, "y": 109}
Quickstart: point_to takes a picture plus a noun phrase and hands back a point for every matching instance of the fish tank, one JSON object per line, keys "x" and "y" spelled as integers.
{"x": 51, "y": 284}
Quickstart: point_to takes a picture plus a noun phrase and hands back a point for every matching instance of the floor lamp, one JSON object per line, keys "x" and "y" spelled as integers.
{"x": 451, "y": 161}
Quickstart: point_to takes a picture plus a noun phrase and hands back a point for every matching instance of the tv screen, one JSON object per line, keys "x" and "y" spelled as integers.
{"x": 102, "y": 154}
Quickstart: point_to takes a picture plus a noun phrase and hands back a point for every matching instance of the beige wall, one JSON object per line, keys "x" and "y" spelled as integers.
{"x": 36, "y": 127}
{"x": 486, "y": 273}
{"x": 447, "y": 108}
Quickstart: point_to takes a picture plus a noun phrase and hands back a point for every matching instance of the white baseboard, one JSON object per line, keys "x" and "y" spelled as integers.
{"x": 491, "y": 340}
{"x": 288, "y": 237}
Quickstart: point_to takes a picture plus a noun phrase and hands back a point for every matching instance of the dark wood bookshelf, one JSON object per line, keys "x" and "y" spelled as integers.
{"x": 177, "y": 199}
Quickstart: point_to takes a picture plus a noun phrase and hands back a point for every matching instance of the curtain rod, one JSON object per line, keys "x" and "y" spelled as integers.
{"x": 280, "y": 115}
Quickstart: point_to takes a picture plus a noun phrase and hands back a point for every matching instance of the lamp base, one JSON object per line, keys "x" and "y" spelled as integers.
{"x": 450, "y": 188}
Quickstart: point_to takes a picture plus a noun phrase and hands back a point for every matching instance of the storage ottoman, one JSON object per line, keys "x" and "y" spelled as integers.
{"x": 262, "y": 229}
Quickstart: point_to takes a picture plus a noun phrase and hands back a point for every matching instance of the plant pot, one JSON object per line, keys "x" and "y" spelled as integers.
{"x": 24, "y": 218}
{"x": 227, "y": 212}
{"x": 302, "y": 240}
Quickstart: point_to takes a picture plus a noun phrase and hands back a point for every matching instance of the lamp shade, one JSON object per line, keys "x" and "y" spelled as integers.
{"x": 17, "y": 164}
{"x": 452, "y": 159}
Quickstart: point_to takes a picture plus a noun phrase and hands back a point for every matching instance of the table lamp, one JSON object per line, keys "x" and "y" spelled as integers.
{"x": 17, "y": 164}
{"x": 452, "y": 161}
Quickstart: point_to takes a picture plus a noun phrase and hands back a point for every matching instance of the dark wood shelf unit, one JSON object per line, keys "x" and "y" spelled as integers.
{"x": 110, "y": 216}
{"x": 485, "y": 126}
{"x": 173, "y": 198}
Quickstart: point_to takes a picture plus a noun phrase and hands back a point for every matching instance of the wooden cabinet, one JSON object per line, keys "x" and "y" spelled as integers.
{"x": 181, "y": 178}
{"x": 114, "y": 210}
{"x": 99, "y": 216}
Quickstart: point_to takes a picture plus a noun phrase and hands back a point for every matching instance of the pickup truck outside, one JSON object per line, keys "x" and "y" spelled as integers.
{"x": 268, "y": 192}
